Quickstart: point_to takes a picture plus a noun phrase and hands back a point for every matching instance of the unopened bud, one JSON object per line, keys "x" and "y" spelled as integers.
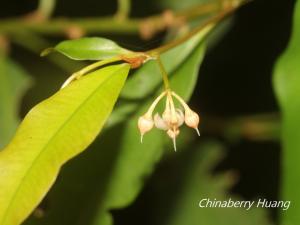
{"x": 192, "y": 120}
{"x": 145, "y": 124}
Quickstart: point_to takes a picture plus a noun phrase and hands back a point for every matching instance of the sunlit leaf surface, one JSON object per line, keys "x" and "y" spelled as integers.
{"x": 54, "y": 131}
{"x": 90, "y": 48}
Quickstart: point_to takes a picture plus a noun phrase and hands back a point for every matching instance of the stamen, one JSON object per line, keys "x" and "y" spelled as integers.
{"x": 173, "y": 134}
{"x": 174, "y": 143}
{"x": 198, "y": 132}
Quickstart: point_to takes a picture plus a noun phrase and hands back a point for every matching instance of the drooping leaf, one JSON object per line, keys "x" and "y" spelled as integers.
{"x": 147, "y": 78}
{"x": 89, "y": 48}
{"x": 98, "y": 181}
{"x": 54, "y": 131}
{"x": 13, "y": 82}
{"x": 287, "y": 86}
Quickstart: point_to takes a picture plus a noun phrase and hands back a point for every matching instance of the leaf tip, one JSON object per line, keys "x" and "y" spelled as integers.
{"x": 46, "y": 52}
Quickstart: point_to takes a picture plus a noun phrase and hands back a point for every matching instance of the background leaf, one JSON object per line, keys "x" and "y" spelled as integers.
{"x": 72, "y": 117}
{"x": 148, "y": 77}
{"x": 180, "y": 181}
{"x": 287, "y": 86}
{"x": 195, "y": 182}
{"x": 13, "y": 83}
{"x": 89, "y": 48}
{"x": 98, "y": 181}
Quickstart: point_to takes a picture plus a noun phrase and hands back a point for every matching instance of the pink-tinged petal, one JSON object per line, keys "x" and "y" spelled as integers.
{"x": 180, "y": 117}
{"x": 159, "y": 122}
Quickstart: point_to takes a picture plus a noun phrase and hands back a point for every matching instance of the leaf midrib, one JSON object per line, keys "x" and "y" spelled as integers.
{"x": 43, "y": 150}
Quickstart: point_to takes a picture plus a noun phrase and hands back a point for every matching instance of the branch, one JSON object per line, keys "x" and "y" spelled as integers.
{"x": 59, "y": 26}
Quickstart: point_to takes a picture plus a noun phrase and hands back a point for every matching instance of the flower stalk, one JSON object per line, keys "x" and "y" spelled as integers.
{"x": 172, "y": 118}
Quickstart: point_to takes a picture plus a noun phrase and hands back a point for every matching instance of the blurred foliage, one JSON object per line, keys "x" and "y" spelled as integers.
{"x": 196, "y": 182}
{"x": 287, "y": 86}
{"x": 14, "y": 81}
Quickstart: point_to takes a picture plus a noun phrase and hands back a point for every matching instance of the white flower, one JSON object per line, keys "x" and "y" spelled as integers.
{"x": 145, "y": 124}
{"x": 171, "y": 119}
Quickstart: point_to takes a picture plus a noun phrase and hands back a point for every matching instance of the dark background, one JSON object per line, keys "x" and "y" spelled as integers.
{"x": 235, "y": 80}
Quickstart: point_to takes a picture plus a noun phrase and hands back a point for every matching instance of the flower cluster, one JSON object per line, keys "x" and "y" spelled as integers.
{"x": 172, "y": 118}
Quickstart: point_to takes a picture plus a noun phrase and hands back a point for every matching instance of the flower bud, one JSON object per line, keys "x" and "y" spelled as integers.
{"x": 192, "y": 120}
{"x": 145, "y": 124}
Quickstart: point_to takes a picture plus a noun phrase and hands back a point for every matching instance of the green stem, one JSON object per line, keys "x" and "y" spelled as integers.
{"x": 97, "y": 64}
{"x": 163, "y": 72}
{"x": 209, "y": 22}
{"x": 46, "y": 7}
{"x": 260, "y": 127}
{"x": 123, "y": 9}
{"x": 80, "y": 73}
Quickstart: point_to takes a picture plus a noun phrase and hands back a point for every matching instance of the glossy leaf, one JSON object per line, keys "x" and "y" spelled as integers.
{"x": 90, "y": 48}
{"x": 112, "y": 174}
{"x": 287, "y": 86}
{"x": 54, "y": 131}
{"x": 13, "y": 83}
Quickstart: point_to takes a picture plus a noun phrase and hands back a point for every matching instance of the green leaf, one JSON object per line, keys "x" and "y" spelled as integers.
{"x": 53, "y": 132}
{"x": 92, "y": 48}
{"x": 13, "y": 83}
{"x": 147, "y": 78}
{"x": 287, "y": 86}
{"x": 111, "y": 178}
